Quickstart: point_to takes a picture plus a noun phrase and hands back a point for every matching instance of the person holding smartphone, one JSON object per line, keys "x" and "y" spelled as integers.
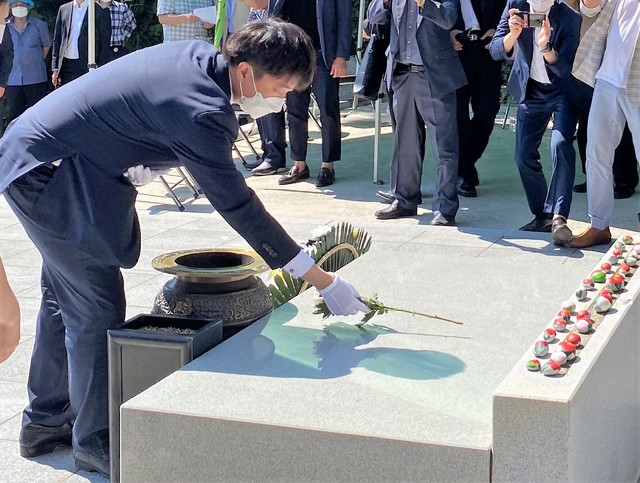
{"x": 544, "y": 58}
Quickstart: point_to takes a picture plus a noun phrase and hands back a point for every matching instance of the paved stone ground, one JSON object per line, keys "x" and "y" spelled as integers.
{"x": 501, "y": 206}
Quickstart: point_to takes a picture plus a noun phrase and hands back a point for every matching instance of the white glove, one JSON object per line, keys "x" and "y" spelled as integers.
{"x": 141, "y": 175}
{"x": 342, "y": 298}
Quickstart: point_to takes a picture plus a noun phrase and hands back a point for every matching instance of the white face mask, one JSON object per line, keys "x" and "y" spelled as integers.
{"x": 541, "y": 5}
{"x": 20, "y": 11}
{"x": 258, "y": 106}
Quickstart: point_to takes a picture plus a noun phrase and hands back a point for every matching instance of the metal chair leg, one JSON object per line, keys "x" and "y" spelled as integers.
{"x": 171, "y": 193}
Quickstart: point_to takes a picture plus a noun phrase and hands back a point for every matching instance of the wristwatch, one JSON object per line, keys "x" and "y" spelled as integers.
{"x": 546, "y": 49}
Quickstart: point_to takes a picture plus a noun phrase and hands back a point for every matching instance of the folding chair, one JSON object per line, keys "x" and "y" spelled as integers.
{"x": 185, "y": 178}
{"x": 243, "y": 120}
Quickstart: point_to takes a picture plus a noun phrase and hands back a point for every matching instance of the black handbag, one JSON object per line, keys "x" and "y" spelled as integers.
{"x": 372, "y": 67}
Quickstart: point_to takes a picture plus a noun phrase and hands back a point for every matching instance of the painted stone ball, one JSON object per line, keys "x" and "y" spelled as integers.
{"x": 551, "y": 368}
{"x": 584, "y": 313}
{"x": 588, "y": 283}
{"x": 559, "y": 357}
{"x": 583, "y": 326}
{"x": 533, "y": 365}
{"x": 569, "y": 306}
{"x": 541, "y": 348}
{"x": 549, "y": 335}
{"x": 564, "y": 314}
{"x": 627, "y": 239}
{"x": 624, "y": 269}
{"x": 598, "y": 276}
{"x": 573, "y": 338}
{"x": 559, "y": 324}
{"x": 631, "y": 261}
{"x": 582, "y": 293}
{"x": 568, "y": 348}
{"x": 605, "y": 267}
{"x": 602, "y": 304}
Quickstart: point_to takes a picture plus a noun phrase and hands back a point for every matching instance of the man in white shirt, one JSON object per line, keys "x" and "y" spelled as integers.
{"x": 616, "y": 101}
{"x": 69, "y": 54}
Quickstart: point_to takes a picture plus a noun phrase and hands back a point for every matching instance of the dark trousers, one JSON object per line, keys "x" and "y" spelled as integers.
{"x": 272, "y": 127}
{"x": 72, "y": 69}
{"x": 81, "y": 299}
{"x": 413, "y": 106}
{"x": 534, "y": 113}
{"x": 20, "y": 98}
{"x": 484, "y": 78}
{"x": 625, "y": 164}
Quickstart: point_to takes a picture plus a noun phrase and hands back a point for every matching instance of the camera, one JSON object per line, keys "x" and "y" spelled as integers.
{"x": 531, "y": 20}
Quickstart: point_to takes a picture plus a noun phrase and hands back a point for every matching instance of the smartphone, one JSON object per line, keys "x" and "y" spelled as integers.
{"x": 531, "y": 20}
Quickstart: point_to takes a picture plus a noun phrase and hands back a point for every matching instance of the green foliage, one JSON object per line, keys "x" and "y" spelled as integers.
{"x": 284, "y": 287}
{"x": 149, "y": 31}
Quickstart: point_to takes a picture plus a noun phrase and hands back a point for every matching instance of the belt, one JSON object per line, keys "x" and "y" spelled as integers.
{"x": 410, "y": 67}
{"x": 474, "y": 35}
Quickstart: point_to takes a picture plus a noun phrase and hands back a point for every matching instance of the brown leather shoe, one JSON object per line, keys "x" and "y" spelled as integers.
{"x": 591, "y": 237}
{"x": 294, "y": 175}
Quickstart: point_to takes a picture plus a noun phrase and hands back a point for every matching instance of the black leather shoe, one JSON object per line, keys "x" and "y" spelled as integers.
{"x": 36, "y": 440}
{"x": 90, "y": 462}
{"x": 580, "y": 188}
{"x": 622, "y": 192}
{"x": 326, "y": 177}
{"x": 265, "y": 169}
{"x": 538, "y": 225}
{"x": 387, "y": 196}
{"x": 395, "y": 211}
{"x": 466, "y": 188}
{"x": 294, "y": 175}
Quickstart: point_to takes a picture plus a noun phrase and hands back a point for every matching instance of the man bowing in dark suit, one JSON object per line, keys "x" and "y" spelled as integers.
{"x": 69, "y": 192}
{"x": 69, "y": 55}
{"x": 423, "y": 73}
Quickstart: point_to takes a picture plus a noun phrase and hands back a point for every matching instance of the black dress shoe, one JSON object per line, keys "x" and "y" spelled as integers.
{"x": 326, "y": 177}
{"x": 36, "y": 440}
{"x": 542, "y": 225}
{"x": 622, "y": 192}
{"x": 466, "y": 188}
{"x": 580, "y": 188}
{"x": 387, "y": 196}
{"x": 395, "y": 211}
{"x": 294, "y": 175}
{"x": 89, "y": 462}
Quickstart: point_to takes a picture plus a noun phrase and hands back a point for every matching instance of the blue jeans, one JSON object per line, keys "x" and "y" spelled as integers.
{"x": 534, "y": 113}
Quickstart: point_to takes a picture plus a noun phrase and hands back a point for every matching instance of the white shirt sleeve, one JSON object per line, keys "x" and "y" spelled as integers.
{"x": 299, "y": 265}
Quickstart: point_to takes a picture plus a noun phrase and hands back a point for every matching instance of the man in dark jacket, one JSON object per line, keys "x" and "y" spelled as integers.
{"x": 61, "y": 170}
{"x": 69, "y": 55}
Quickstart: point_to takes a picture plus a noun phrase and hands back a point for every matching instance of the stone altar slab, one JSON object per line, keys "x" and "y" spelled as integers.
{"x": 294, "y": 397}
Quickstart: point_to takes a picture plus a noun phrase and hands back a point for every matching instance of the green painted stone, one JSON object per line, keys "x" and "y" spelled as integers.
{"x": 598, "y": 276}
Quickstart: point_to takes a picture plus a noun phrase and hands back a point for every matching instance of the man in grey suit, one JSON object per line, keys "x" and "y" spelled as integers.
{"x": 423, "y": 73}
{"x": 70, "y": 194}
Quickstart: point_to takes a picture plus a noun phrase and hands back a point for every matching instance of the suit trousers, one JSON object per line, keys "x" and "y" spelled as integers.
{"x": 81, "y": 299}
{"x": 542, "y": 101}
{"x": 21, "y": 98}
{"x": 484, "y": 77}
{"x": 272, "y": 127}
{"x": 625, "y": 164}
{"x": 610, "y": 110}
{"x": 72, "y": 69}
{"x": 415, "y": 106}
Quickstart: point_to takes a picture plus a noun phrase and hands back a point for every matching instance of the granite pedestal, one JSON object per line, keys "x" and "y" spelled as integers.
{"x": 296, "y": 398}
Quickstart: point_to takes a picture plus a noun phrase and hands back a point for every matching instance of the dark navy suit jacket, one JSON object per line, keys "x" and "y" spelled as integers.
{"x": 442, "y": 66}
{"x": 62, "y": 32}
{"x": 170, "y": 107}
{"x": 335, "y": 20}
{"x": 565, "y": 37}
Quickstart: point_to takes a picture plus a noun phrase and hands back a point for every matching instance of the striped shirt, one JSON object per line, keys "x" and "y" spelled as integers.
{"x": 185, "y": 31}
{"x": 122, "y": 23}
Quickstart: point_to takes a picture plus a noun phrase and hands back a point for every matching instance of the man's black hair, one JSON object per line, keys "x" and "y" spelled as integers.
{"x": 273, "y": 47}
